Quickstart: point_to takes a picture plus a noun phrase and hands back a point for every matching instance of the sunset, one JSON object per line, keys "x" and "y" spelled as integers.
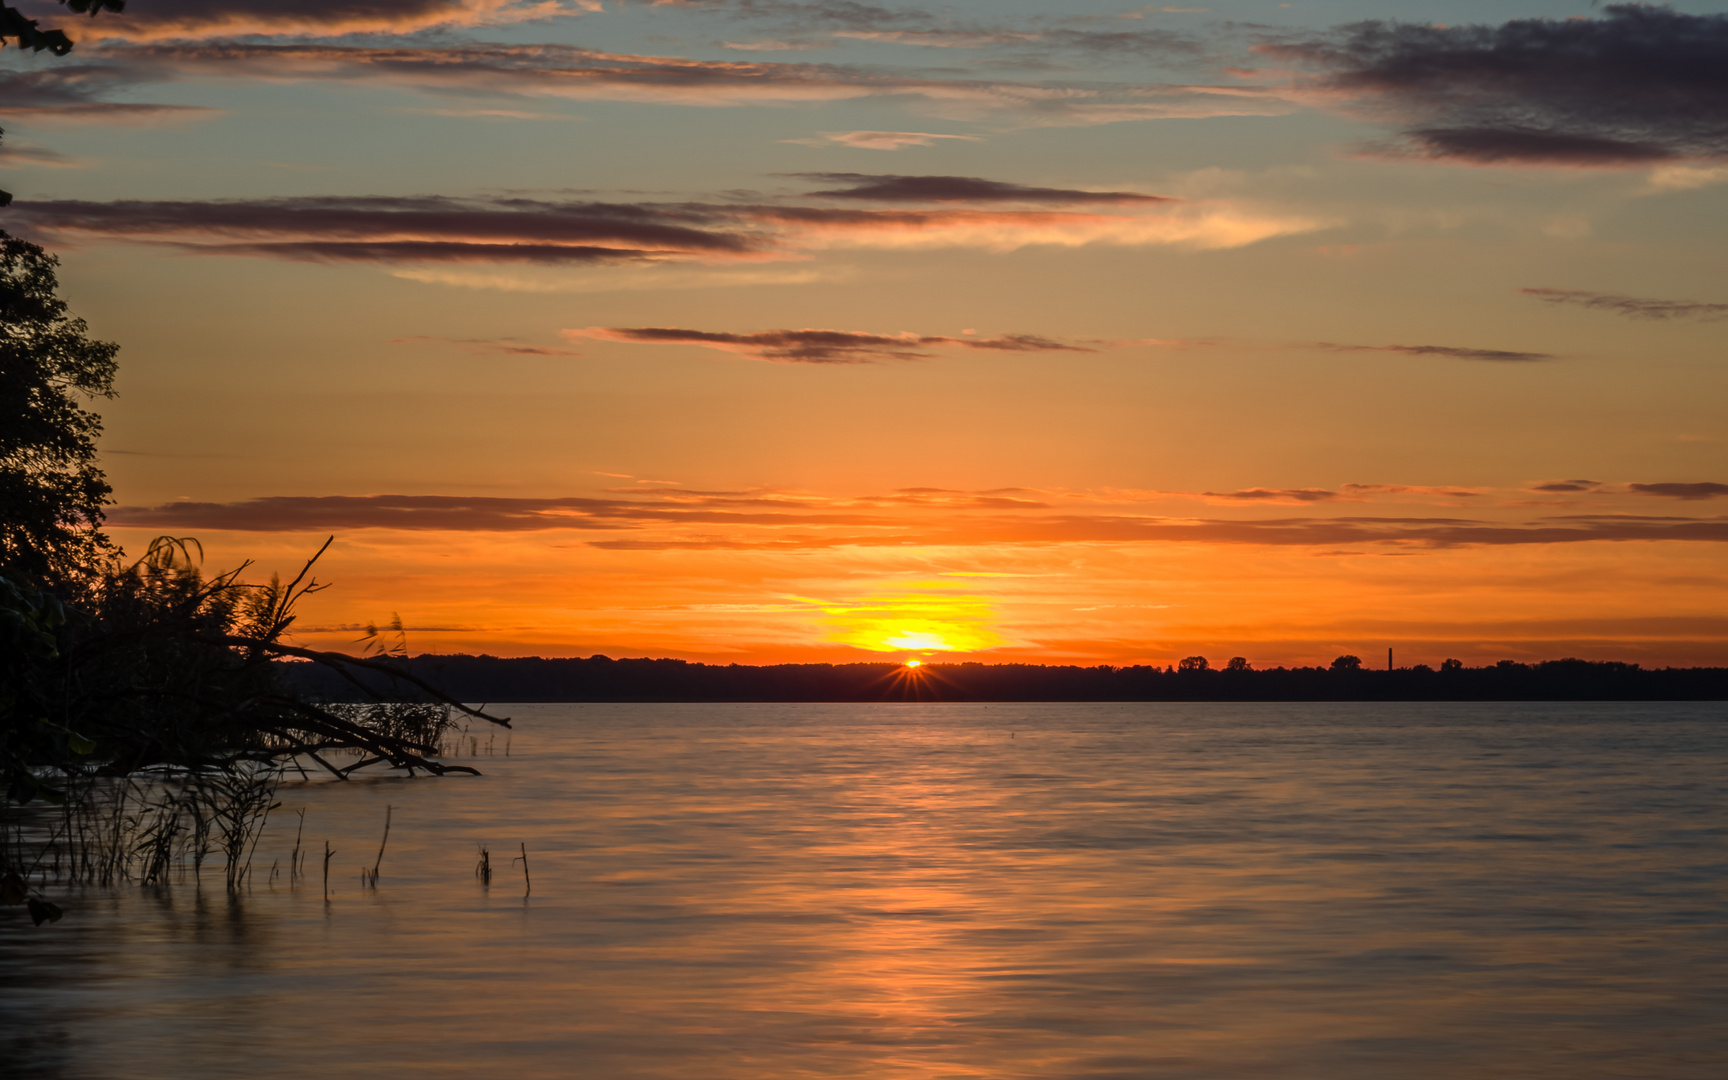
{"x": 823, "y": 495}
{"x": 741, "y": 331}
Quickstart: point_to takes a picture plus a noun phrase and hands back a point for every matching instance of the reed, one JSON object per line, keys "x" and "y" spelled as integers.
{"x": 147, "y": 733}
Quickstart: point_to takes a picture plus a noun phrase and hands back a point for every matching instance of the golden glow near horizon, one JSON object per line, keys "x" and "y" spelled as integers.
{"x": 914, "y": 663}
{"x": 928, "y": 619}
{"x": 1191, "y": 359}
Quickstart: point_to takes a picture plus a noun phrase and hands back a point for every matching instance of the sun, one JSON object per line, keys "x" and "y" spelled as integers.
{"x": 914, "y": 663}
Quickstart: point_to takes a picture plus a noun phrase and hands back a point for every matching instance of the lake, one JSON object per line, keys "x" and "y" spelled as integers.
{"x": 922, "y": 891}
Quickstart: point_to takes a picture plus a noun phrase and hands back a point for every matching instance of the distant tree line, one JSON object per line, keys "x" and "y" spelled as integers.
{"x": 599, "y": 678}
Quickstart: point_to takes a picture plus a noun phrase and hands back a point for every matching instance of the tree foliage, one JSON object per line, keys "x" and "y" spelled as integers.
{"x": 51, "y": 490}
{"x": 28, "y": 35}
{"x": 145, "y": 700}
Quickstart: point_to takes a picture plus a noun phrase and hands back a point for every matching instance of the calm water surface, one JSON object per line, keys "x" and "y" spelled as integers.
{"x": 766, "y": 892}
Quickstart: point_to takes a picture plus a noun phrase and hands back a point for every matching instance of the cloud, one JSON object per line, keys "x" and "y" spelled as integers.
{"x": 1686, "y": 492}
{"x": 822, "y": 346}
{"x": 1632, "y": 307}
{"x": 1686, "y": 177}
{"x": 1410, "y": 489}
{"x": 195, "y": 19}
{"x": 482, "y": 346}
{"x": 458, "y": 513}
{"x": 442, "y": 229}
{"x": 849, "y": 20}
{"x": 1450, "y": 351}
{"x": 879, "y": 140}
{"x": 13, "y": 153}
{"x": 401, "y": 229}
{"x": 924, "y": 189}
{"x": 1641, "y": 85}
{"x": 76, "y": 93}
{"x": 1281, "y": 495}
{"x": 1567, "y": 487}
{"x": 679, "y": 520}
{"x": 1198, "y": 226}
{"x": 575, "y": 73}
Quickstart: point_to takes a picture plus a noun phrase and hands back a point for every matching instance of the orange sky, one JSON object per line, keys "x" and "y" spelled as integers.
{"x": 758, "y": 333}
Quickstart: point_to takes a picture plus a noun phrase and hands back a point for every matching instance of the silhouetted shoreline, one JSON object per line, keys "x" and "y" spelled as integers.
{"x": 602, "y": 679}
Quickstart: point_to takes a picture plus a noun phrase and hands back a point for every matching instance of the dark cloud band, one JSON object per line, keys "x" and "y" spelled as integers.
{"x": 1688, "y": 492}
{"x": 824, "y": 346}
{"x": 1451, "y": 352}
{"x": 963, "y": 189}
{"x": 1641, "y": 84}
{"x": 1633, "y": 307}
{"x": 729, "y": 520}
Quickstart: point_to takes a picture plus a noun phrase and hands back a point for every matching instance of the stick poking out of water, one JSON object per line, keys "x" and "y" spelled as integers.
{"x": 296, "y": 860}
{"x": 527, "y": 882}
{"x": 381, "y": 843}
{"x": 327, "y": 854}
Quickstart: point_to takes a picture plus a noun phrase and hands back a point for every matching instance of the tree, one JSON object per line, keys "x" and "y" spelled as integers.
{"x": 14, "y": 26}
{"x": 1347, "y": 663}
{"x": 51, "y": 490}
{"x": 1193, "y": 663}
{"x": 1237, "y": 663}
{"x": 28, "y": 35}
{"x": 144, "y": 702}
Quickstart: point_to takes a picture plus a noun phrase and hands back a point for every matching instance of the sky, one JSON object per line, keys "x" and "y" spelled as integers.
{"x": 794, "y": 330}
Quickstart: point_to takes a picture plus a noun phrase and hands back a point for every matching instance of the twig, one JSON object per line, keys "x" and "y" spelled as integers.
{"x": 527, "y": 882}
{"x": 293, "y": 864}
{"x": 327, "y": 854}
{"x": 381, "y": 843}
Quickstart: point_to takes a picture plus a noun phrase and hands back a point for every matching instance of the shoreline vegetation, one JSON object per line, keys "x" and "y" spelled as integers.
{"x": 465, "y": 677}
{"x": 144, "y": 725}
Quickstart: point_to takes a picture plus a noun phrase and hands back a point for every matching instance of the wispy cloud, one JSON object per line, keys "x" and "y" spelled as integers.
{"x": 484, "y": 346}
{"x": 1633, "y": 307}
{"x": 15, "y": 153}
{"x": 1274, "y": 495}
{"x": 1452, "y": 352}
{"x": 1420, "y": 490}
{"x": 922, "y": 26}
{"x": 1686, "y": 492}
{"x": 880, "y": 140}
{"x": 962, "y": 189}
{"x": 1640, "y": 85}
{"x": 402, "y": 229}
{"x": 823, "y": 346}
{"x": 197, "y": 19}
{"x": 79, "y": 94}
{"x": 442, "y": 229}
{"x": 572, "y": 72}
{"x": 680, "y": 520}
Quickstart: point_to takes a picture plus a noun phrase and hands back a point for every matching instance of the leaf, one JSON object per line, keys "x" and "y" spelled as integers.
{"x": 11, "y": 889}
{"x": 79, "y": 744}
{"x": 43, "y": 911}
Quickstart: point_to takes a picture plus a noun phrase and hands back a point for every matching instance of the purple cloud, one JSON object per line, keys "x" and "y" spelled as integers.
{"x": 1641, "y": 84}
